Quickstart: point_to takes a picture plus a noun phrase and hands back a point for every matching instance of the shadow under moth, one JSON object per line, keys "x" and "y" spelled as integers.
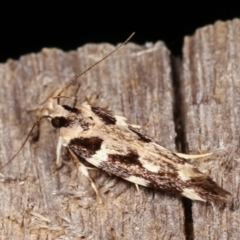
{"x": 109, "y": 143}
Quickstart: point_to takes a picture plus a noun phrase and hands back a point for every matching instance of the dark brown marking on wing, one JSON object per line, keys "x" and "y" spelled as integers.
{"x": 72, "y": 110}
{"x": 131, "y": 158}
{"x": 130, "y": 165}
{"x": 104, "y": 115}
{"x": 167, "y": 168}
{"x": 85, "y": 147}
{"x": 169, "y": 155}
{"x": 122, "y": 165}
{"x": 140, "y": 135}
{"x": 166, "y": 182}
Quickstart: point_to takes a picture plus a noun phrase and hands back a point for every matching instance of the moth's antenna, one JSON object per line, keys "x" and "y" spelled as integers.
{"x": 96, "y": 63}
{"x": 59, "y": 96}
{"x": 24, "y": 142}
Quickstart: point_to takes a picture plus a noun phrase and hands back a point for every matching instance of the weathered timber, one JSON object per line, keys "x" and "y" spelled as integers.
{"x": 134, "y": 82}
{"x": 210, "y": 93}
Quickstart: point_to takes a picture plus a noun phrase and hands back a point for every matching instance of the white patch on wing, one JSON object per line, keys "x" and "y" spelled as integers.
{"x": 137, "y": 180}
{"x": 86, "y": 106}
{"x": 190, "y": 193}
{"x": 101, "y": 155}
{"x": 121, "y": 121}
{"x": 151, "y": 167}
{"x": 186, "y": 172}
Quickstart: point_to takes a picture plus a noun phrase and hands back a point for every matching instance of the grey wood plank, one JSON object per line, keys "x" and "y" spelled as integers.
{"x": 210, "y": 110}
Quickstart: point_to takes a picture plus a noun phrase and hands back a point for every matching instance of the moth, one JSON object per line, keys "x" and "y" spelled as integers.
{"x": 109, "y": 143}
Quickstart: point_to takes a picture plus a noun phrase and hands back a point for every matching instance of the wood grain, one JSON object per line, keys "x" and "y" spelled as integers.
{"x": 211, "y": 97}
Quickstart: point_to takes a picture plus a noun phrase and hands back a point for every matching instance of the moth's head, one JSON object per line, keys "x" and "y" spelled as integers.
{"x": 55, "y": 112}
{"x": 68, "y": 117}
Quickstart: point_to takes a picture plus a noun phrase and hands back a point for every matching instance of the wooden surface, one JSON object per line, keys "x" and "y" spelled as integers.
{"x": 191, "y": 103}
{"x": 211, "y": 112}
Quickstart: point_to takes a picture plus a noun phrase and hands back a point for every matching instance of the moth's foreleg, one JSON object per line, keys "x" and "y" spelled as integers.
{"x": 84, "y": 170}
{"x": 58, "y": 163}
{"x": 58, "y": 153}
{"x": 136, "y": 185}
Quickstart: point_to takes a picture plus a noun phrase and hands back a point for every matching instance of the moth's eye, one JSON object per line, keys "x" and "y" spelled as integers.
{"x": 59, "y": 122}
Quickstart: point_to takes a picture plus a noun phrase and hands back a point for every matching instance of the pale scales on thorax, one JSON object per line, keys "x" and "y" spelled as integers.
{"x": 109, "y": 143}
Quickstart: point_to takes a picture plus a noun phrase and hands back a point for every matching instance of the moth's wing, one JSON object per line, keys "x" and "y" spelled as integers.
{"x": 105, "y": 115}
{"x": 122, "y": 150}
{"x": 129, "y": 154}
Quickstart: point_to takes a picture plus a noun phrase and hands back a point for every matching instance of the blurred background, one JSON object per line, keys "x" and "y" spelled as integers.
{"x": 28, "y": 27}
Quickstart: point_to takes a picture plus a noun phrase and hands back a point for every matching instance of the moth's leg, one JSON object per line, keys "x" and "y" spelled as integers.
{"x": 84, "y": 170}
{"x": 58, "y": 153}
{"x": 58, "y": 163}
{"x": 136, "y": 185}
{"x": 189, "y": 156}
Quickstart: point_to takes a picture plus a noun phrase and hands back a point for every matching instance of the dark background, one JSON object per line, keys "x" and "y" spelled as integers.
{"x": 27, "y": 28}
